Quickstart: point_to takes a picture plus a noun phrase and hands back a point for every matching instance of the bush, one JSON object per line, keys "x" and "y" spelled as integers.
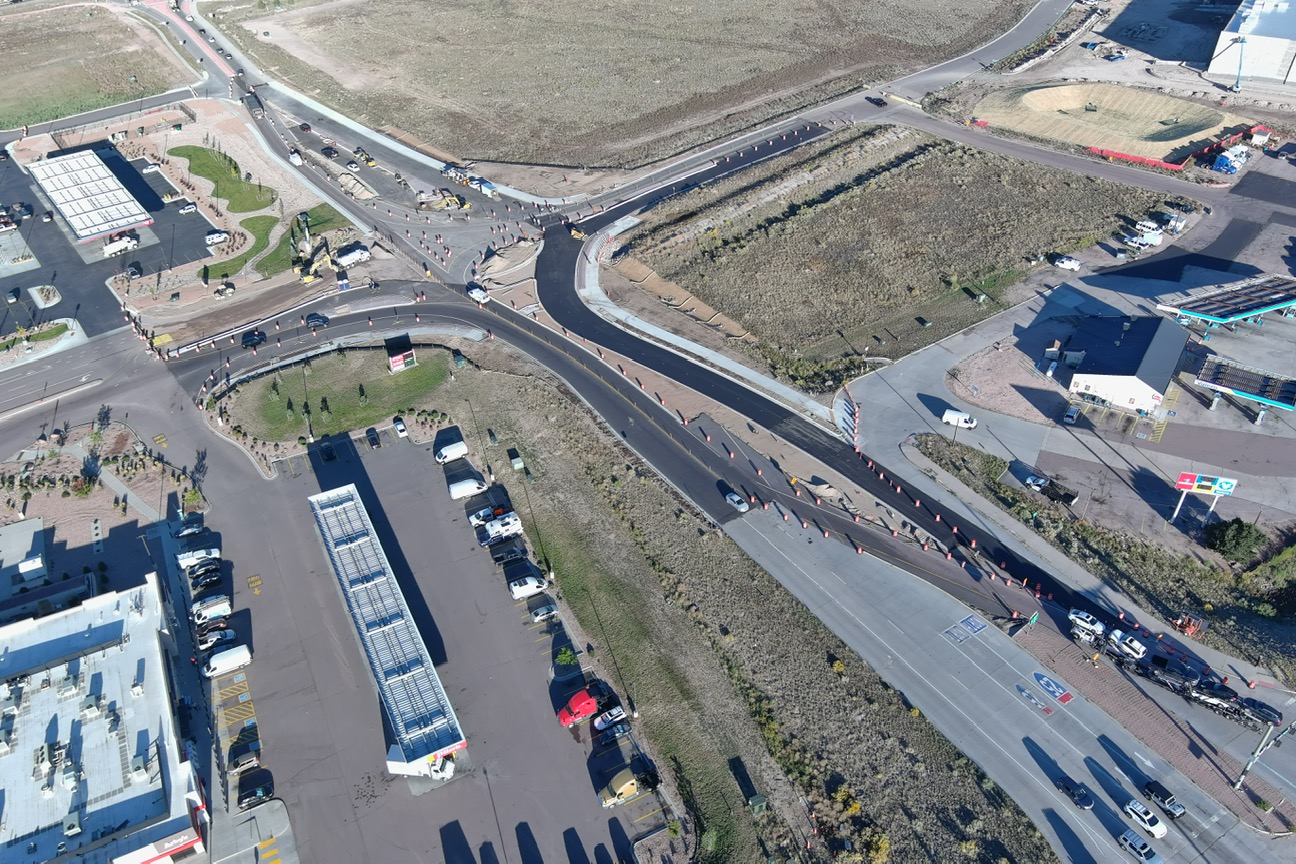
{"x": 1235, "y": 540}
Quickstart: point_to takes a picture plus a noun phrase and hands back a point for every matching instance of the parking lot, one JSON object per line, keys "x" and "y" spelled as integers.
{"x": 80, "y": 271}
{"x": 526, "y": 790}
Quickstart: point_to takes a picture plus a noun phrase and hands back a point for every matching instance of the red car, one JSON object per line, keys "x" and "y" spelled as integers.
{"x": 580, "y": 707}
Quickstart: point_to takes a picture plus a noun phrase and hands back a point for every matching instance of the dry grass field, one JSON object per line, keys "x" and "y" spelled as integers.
{"x": 1127, "y": 119}
{"x": 722, "y": 663}
{"x": 66, "y": 60}
{"x": 592, "y": 83}
{"x": 877, "y": 243}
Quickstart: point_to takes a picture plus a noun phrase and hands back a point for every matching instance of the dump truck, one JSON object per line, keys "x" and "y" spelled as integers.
{"x": 354, "y": 254}
{"x": 120, "y": 244}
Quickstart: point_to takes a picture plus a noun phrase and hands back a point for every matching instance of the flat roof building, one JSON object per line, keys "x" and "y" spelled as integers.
{"x": 1258, "y": 42}
{"x": 88, "y": 195}
{"x": 27, "y": 588}
{"x": 93, "y": 767}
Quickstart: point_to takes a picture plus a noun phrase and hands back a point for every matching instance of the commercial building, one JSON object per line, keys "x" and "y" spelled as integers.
{"x": 88, "y": 195}
{"x": 1124, "y": 363}
{"x": 424, "y": 726}
{"x": 27, "y": 588}
{"x": 1258, "y": 42}
{"x": 94, "y": 770}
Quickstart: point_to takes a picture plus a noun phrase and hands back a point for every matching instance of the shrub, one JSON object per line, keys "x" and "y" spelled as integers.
{"x": 567, "y": 657}
{"x": 1235, "y": 539}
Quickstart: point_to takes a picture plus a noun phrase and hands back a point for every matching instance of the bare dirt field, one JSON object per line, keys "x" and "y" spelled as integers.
{"x": 724, "y": 666}
{"x": 69, "y": 59}
{"x": 874, "y": 244}
{"x": 1113, "y": 117}
{"x": 595, "y": 84}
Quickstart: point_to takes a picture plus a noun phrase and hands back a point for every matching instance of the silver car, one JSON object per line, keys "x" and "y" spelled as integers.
{"x": 737, "y": 502}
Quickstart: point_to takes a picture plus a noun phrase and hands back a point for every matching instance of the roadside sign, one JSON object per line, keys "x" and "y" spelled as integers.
{"x": 1205, "y": 484}
{"x": 1034, "y": 617}
{"x": 1053, "y": 688}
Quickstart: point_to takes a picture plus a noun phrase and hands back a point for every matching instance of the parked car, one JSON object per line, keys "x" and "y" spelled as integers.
{"x": 255, "y": 796}
{"x": 876, "y": 100}
{"x": 187, "y": 209}
{"x": 150, "y": 168}
{"x": 212, "y": 627}
{"x": 527, "y": 586}
{"x": 399, "y": 425}
{"x": 614, "y": 733}
{"x": 544, "y": 613}
{"x": 190, "y": 529}
{"x": 316, "y": 320}
{"x": 206, "y": 580}
{"x": 371, "y": 435}
{"x": 481, "y": 517}
{"x": 1066, "y": 262}
{"x": 1138, "y": 847}
{"x": 244, "y": 761}
{"x": 1072, "y": 415}
{"x": 1036, "y": 482}
{"x": 1077, "y": 792}
{"x": 610, "y": 717}
{"x": 1145, "y": 819}
{"x": 737, "y": 502}
{"x": 211, "y": 639}
{"x": 204, "y": 565}
{"x": 47, "y": 216}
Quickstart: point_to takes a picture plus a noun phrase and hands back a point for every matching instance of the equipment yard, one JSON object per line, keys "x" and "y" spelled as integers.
{"x": 662, "y": 79}
{"x": 66, "y": 60}
{"x": 878, "y": 244}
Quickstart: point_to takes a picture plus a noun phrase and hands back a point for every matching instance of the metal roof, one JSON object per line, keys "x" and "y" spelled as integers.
{"x": 1249, "y": 383}
{"x": 1147, "y": 347}
{"x": 1235, "y": 301}
{"x": 416, "y": 703}
{"x": 88, "y": 195}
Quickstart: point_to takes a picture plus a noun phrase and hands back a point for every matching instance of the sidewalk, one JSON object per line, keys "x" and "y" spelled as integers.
{"x": 119, "y": 488}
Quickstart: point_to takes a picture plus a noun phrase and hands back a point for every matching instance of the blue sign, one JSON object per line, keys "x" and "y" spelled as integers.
{"x": 1053, "y": 688}
{"x": 973, "y": 624}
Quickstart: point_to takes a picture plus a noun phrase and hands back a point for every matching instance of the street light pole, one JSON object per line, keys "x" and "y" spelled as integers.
{"x": 1237, "y": 85}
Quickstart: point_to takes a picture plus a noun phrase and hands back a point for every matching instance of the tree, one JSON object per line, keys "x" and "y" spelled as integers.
{"x": 1235, "y": 539}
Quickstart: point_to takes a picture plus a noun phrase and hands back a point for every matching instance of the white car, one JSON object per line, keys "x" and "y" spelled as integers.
{"x": 353, "y": 165}
{"x": 489, "y": 514}
{"x": 544, "y": 613}
{"x": 1138, "y": 847}
{"x": 187, "y": 209}
{"x": 1146, "y": 819}
{"x": 527, "y": 586}
{"x": 1066, "y": 262}
{"x": 213, "y": 638}
{"x": 737, "y": 502}
{"x": 478, "y": 294}
{"x": 150, "y": 168}
{"x": 1081, "y": 620}
{"x": 399, "y": 425}
{"x": 610, "y": 717}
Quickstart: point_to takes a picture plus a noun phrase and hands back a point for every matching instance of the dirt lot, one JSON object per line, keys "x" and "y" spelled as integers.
{"x": 875, "y": 245}
{"x": 521, "y": 83}
{"x": 705, "y": 643}
{"x": 75, "y": 58}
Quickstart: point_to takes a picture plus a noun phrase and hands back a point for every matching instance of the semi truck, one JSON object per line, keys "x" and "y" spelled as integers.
{"x": 357, "y": 254}
{"x": 120, "y": 244}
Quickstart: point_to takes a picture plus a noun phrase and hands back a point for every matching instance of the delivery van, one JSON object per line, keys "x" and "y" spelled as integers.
{"x": 225, "y": 662}
{"x": 962, "y": 419}
{"x": 209, "y": 609}
{"x": 451, "y": 452}
{"x": 467, "y": 488}
{"x": 184, "y": 560}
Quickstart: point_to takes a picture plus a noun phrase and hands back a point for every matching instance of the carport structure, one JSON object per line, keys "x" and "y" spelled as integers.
{"x": 1245, "y": 300}
{"x": 89, "y": 197}
{"x": 1246, "y": 382}
{"x": 425, "y": 726}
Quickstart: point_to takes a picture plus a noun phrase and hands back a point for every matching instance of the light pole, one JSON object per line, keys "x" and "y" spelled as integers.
{"x": 1237, "y": 84}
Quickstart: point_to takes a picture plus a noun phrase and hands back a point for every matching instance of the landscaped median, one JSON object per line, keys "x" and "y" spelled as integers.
{"x": 230, "y": 184}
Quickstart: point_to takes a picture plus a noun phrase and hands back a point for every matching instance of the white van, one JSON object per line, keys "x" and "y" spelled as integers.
{"x": 225, "y": 662}
{"x": 467, "y": 488}
{"x": 451, "y": 452}
{"x": 184, "y": 560}
{"x": 961, "y": 419}
{"x": 208, "y": 610}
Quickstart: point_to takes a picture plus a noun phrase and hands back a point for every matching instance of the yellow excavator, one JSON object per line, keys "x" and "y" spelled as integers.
{"x": 311, "y": 259}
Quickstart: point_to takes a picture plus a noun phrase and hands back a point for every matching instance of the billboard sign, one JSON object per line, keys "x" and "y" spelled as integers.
{"x": 1205, "y": 485}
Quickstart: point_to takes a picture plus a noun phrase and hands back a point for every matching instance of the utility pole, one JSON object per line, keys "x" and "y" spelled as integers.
{"x": 1264, "y": 745}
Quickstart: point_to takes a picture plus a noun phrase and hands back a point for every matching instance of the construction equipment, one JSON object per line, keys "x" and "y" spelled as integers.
{"x": 1190, "y": 625}
{"x": 576, "y": 233}
{"x": 310, "y": 260}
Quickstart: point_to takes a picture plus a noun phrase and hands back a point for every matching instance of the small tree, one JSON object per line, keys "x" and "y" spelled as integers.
{"x": 1235, "y": 539}
{"x": 567, "y": 657}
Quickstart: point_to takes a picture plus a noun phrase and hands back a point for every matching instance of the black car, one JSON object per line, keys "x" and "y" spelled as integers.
{"x": 316, "y": 320}
{"x": 190, "y": 529}
{"x": 206, "y": 580}
{"x": 203, "y": 567}
{"x": 1078, "y": 794}
{"x": 1261, "y": 711}
{"x": 255, "y": 796}
{"x": 372, "y": 437}
{"x": 329, "y": 153}
{"x": 305, "y": 127}
{"x": 253, "y": 338}
{"x": 876, "y": 100}
{"x": 512, "y": 550}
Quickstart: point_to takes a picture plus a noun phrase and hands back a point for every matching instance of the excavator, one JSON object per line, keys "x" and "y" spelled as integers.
{"x": 311, "y": 259}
